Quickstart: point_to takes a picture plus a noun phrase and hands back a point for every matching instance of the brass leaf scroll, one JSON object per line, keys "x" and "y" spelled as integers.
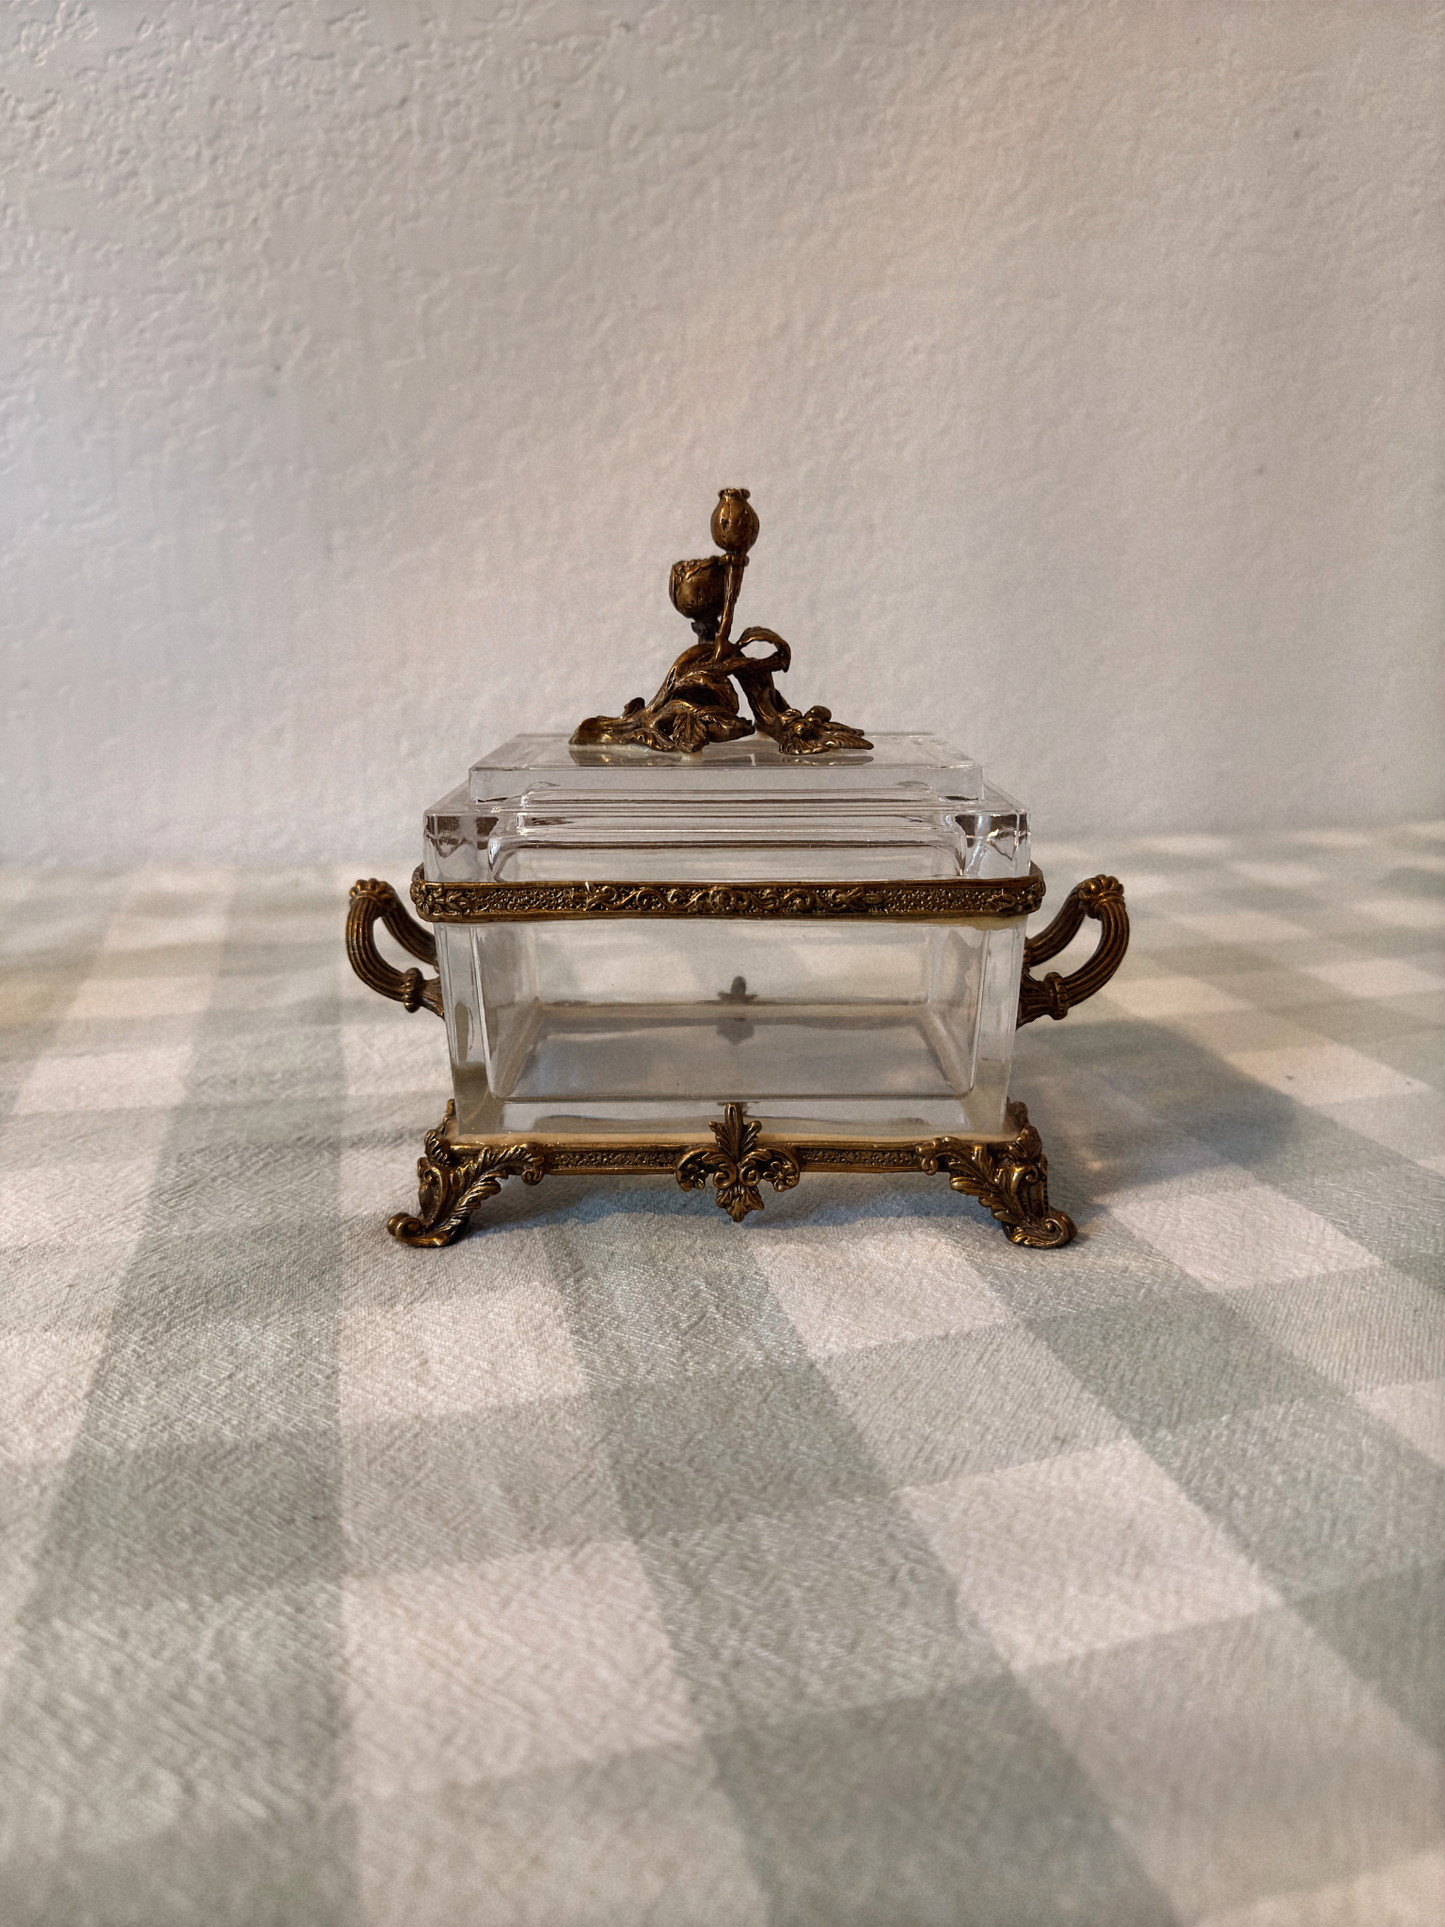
{"x": 738, "y": 1165}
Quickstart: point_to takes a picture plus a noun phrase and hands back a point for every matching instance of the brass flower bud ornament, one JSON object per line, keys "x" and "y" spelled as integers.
{"x": 698, "y": 588}
{"x": 734, "y": 523}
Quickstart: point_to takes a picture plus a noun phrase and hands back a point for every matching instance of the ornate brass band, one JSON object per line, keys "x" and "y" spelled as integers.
{"x": 1101, "y": 898}
{"x": 1009, "y": 1177}
{"x": 948, "y": 899}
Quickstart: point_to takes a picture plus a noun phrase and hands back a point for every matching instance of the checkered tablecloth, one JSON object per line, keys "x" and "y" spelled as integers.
{"x": 623, "y": 1565}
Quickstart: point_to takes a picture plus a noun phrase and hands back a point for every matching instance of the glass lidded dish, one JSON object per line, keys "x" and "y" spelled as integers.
{"x": 733, "y": 951}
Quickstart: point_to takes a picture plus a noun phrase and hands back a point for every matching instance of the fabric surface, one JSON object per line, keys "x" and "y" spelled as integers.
{"x": 621, "y": 1564}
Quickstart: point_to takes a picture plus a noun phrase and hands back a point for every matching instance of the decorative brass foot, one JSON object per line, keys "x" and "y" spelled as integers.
{"x": 453, "y": 1182}
{"x": 697, "y": 703}
{"x": 1011, "y": 1179}
{"x": 738, "y": 1166}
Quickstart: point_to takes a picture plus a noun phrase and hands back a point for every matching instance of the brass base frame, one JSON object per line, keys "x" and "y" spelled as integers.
{"x": 1009, "y": 1177}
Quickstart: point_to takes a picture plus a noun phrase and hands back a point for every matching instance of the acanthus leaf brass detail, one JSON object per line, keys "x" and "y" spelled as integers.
{"x": 738, "y": 1165}
{"x": 1011, "y": 1179}
{"x": 697, "y": 703}
{"x": 373, "y": 900}
{"x": 453, "y": 1181}
{"x": 905, "y": 900}
{"x": 1101, "y": 898}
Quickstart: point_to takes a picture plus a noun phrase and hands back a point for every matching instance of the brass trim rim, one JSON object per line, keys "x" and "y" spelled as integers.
{"x": 944, "y": 900}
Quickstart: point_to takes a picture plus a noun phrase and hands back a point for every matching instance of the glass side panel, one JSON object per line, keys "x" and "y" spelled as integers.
{"x": 891, "y": 1030}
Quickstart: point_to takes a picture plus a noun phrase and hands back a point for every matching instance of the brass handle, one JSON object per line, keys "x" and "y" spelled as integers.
{"x": 1101, "y": 898}
{"x": 371, "y": 899}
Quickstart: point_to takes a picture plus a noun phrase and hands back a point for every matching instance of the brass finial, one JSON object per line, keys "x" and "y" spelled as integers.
{"x": 697, "y": 703}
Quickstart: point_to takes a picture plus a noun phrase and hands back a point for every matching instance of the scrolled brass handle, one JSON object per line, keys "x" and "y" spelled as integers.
{"x": 371, "y": 900}
{"x": 1099, "y": 897}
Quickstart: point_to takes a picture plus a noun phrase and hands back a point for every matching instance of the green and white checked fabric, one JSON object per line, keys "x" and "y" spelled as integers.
{"x": 622, "y": 1565}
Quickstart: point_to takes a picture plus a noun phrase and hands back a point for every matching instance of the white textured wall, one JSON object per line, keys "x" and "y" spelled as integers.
{"x": 365, "y": 369}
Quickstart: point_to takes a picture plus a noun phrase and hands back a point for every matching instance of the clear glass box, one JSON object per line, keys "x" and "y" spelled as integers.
{"x": 875, "y": 1025}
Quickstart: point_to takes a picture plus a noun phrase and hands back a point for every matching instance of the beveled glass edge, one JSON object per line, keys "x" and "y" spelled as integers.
{"x": 941, "y": 900}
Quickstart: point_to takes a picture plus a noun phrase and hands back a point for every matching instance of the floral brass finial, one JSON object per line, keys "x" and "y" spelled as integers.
{"x": 697, "y": 703}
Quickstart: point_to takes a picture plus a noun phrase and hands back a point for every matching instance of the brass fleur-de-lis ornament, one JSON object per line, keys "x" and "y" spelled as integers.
{"x": 738, "y": 1166}
{"x": 697, "y": 703}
